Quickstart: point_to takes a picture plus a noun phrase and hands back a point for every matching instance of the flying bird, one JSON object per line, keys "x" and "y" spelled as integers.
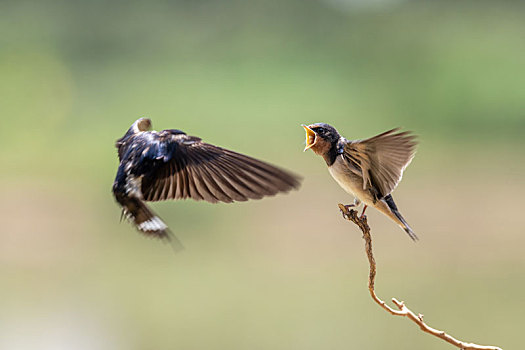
{"x": 368, "y": 169}
{"x": 169, "y": 164}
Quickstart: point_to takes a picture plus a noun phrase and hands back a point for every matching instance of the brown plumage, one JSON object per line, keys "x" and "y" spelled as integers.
{"x": 368, "y": 169}
{"x": 382, "y": 159}
{"x": 210, "y": 173}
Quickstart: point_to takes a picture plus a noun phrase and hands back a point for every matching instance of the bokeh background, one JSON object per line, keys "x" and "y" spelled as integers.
{"x": 286, "y": 272}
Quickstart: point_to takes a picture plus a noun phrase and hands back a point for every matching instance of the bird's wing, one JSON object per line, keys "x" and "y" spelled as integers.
{"x": 381, "y": 159}
{"x": 186, "y": 167}
{"x": 121, "y": 148}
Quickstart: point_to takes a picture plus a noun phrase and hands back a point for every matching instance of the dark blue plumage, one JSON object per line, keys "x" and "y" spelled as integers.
{"x": 172, "y": 165}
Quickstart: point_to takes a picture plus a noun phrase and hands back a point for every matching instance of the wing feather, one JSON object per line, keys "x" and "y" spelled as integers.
{"x": 217, "y": 187}
{"x": 235, "y": 187}
{"x": 202, "y": 171}
{"x": 171, "y": 191}
{"x": 250, "y": 177}
{"x": 381, "y": 159}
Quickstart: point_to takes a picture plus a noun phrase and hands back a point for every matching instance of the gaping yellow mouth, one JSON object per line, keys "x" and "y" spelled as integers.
{"x": 311, "y": 138}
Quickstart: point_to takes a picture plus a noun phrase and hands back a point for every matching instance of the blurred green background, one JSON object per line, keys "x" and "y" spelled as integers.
{"x": 286, "y": 272}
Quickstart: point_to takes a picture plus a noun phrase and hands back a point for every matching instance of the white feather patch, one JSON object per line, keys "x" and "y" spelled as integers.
{"x": 153, "y": 224}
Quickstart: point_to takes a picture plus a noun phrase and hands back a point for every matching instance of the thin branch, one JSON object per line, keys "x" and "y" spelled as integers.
{"x": 361, "y": 222}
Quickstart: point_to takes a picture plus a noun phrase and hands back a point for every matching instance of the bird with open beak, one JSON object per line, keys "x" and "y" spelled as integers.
{"x": 368, "y": 169}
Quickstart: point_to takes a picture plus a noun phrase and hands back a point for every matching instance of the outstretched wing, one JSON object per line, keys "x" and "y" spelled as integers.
{"x": 185, "y": 167}
{"x": 381, "y": 159}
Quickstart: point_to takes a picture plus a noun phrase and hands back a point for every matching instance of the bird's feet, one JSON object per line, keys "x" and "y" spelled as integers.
{"x": 344, "y": 210}
{"x": 347, "y": 211}
{"x": 348, "y": 206}
{"x": 352, "y": 215}
{"x": 362, "y": 216}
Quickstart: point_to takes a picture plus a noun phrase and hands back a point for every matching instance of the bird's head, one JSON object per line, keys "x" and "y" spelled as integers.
{"x": 320, "y": 137}
{"x": 141, "y": 124}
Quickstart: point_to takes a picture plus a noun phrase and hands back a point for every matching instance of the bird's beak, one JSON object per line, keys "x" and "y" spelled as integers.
{"x": 311, "y": 137}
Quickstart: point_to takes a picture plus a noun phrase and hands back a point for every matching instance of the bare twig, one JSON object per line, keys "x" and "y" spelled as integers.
{"x": 362, "y": 223}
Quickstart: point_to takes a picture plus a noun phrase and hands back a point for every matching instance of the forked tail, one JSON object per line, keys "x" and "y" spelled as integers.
{"x": 393, "y": 208}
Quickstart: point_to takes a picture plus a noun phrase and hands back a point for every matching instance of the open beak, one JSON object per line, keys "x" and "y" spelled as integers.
{"x": 311, "y": 138}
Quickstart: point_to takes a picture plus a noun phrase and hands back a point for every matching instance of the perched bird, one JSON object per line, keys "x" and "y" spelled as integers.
{"x": 368, "y": 169}
{"x": 169, "y": 164}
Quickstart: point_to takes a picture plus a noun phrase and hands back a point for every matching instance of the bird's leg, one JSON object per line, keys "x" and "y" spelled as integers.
{"x": 355, "y": 204}
{"x": 363, "y": 213}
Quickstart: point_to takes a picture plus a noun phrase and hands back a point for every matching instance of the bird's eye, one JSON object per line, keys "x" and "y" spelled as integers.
{"x": 320, "y": 130}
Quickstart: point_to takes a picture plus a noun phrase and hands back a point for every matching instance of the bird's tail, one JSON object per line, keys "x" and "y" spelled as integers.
{"x": 146, "y": 221}
{"x": 400, "y": 219}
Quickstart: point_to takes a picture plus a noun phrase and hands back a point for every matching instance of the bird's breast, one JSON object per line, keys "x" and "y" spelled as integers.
{"x": 346, "y": 178}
